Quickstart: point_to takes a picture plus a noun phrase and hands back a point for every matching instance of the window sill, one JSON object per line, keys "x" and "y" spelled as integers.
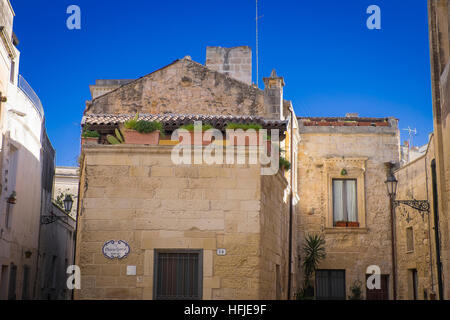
{"x": 411, "y": 251}
{"x": 346, "y": 230}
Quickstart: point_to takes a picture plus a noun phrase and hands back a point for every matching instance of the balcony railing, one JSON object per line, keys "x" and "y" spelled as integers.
{"x": 29, "y": 92}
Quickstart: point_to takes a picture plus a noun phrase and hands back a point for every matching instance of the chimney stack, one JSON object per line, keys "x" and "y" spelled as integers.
{"x": 235, "y": 62}
{"x": 273, "y": 89}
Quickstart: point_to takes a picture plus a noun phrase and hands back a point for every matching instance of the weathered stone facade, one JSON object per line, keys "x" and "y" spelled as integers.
{"x": 439, "y": 17}
{"x": 183, "y": 87}
{"x": 235, "y": 62}
{"x": 136, "y": 194}
{"x": 415, "y": 181}
{"x": 361, "y": 147}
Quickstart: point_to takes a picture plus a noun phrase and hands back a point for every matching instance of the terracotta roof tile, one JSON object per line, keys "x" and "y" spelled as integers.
{"x": 344, "y": 121}
{"x": 173, "y": 121}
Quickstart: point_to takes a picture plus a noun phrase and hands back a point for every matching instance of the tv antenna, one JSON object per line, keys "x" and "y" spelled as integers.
{"x": 411, "y": 134}
{"x": 257, "y": 44}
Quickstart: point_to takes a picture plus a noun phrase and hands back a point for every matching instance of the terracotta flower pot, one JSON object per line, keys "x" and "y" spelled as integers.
{"x": 89, "y": 141}
{"x": 135, "y": 137}
{"x": 341, "y": 224}
{"x": 353, "y": 224}
{"x": 12, "y": 200}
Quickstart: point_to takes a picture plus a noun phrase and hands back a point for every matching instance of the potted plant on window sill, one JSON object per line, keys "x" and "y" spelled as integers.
{"x": 89, "y": 137}
{"x": 352, "y": 224}
{"x": 340, "y": 224}
{"x": 142, "y": 132}
{"x": 193, "y": 129}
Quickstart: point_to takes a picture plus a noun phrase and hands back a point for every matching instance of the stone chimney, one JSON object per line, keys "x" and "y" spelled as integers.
{"x": 273, "y": 90}
{"x": 102, "y": 87}
{"x": 235, "y": 62}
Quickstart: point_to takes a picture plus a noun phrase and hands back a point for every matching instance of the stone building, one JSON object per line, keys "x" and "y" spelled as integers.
{"x": 419, "y": 271}
{"x": 66, "y": 182}
{"x": 227, "y": 222}
{"x": 23, "y": 135}
{"x": 56, "y": 253}
{"x": 27, "y": 166}
{"x": 341, "y": 170}
{"x": 438, "y": 11}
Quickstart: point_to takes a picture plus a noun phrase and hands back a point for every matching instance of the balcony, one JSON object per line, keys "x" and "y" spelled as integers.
{"x": 29, "y": 92}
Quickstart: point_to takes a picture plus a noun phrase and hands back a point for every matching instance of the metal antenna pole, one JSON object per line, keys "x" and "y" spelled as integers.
{"x": 410, "y": 134}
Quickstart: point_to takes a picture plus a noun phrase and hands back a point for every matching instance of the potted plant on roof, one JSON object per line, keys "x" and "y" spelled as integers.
{"x": 242, "y": 135}
{"x": 89, "y": 137}
{"x": 285, "y": 165}
{"x": 12, "y": 199}
{"x": 193, "y": 128}
{"x": 142, "y": 132}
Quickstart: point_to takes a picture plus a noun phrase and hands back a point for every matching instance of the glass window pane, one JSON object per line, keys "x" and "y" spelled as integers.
{"x": 351, "y": 200}
{"x": 338, "y": 205}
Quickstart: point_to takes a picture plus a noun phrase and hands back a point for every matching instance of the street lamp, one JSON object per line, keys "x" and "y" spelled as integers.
{"x": 391, "y": 185}
{"x": 68, "y": 202}
{"x": 423, "y": 206}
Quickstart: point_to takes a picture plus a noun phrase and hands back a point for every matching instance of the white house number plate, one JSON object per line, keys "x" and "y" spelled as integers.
{"x": 221, "y": 252}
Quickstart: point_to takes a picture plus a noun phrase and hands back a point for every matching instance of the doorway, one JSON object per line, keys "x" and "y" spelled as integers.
{"x": 379, "y": 294}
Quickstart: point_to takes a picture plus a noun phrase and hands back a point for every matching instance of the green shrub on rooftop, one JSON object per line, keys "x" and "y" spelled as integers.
{"x": 236, "y": 126}
{"x": 191, "y": 127}
{"x": 143, "y": 126}
{"x": 131, "y": 124}
{"x": 90, "y": 134}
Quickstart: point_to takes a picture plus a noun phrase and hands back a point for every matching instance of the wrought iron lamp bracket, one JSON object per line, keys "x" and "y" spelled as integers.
{"x": 51, "y": 218}
{"x": 423, "y": 206}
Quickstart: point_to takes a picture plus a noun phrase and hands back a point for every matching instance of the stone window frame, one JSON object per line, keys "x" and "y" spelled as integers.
{"x": 356, "y": 168}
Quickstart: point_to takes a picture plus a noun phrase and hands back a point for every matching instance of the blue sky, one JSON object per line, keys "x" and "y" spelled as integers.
{"x": 331, "y": 62}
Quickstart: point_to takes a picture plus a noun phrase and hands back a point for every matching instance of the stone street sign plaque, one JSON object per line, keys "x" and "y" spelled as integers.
{"x": 116, "y": 249}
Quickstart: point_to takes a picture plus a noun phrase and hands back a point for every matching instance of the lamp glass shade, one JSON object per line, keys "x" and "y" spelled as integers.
{"x": 68, "y": 202}
{"x": 391, "y": 185}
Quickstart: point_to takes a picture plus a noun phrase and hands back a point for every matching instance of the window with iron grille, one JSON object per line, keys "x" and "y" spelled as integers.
{"x": 178, "y": 274}
{"x": 330, "y": 285}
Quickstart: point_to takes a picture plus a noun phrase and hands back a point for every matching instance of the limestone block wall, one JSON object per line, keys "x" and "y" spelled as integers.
{"x": 182, "y": 87}
{"x": 415, "y": 182}
{"x": 323, "y": 153}
{"x": 445, "y": 177}
{"x": 438, "y": 18}
{"x": 138, "y": 195}
{"x": 274, "y": 219}
{"x": 235, "y": 62}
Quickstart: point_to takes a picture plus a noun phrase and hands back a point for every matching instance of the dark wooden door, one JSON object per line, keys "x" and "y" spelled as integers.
{"x": 379, "y": 294}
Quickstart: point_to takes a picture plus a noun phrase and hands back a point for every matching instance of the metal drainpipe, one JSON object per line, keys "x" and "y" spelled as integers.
{"x": 290, "y": 205}
{"x": 76, "y": 223}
